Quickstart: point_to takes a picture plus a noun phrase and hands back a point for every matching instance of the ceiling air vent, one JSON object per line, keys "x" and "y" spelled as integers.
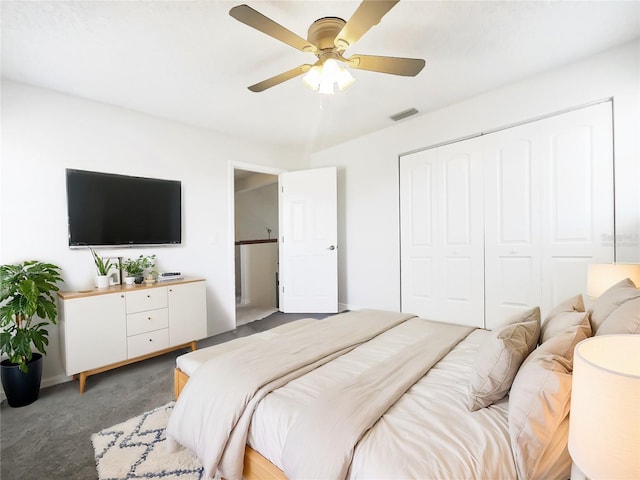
{"x": 404, "y": 114}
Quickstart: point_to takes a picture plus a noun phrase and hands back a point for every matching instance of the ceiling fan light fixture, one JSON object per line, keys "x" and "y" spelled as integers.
{"x": 328, "y": 77}
{"x": 327, "y": 38}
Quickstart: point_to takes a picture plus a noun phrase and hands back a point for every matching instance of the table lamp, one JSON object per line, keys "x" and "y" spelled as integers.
{"x": 604, "y": 424}
{"x": 601, "y": 276}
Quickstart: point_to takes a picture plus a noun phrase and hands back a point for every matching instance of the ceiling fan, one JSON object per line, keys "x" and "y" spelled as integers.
{"x": 327, "y": 39}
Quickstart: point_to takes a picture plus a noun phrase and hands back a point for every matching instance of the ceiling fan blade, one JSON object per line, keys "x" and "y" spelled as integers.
{"x": 368, "y": 14}
{"x": 253, "y": 18}
{"x": 283, "y": 77}
{"x": 407, "y": 67}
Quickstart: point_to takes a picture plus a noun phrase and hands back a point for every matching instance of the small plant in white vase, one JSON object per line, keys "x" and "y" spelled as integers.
{"x": 135, "y": 268}
{"x": 102, "y": 267}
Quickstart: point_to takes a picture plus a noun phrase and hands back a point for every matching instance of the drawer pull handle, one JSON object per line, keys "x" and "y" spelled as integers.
{"x": 149, "y": 318}
{"x": 148, "y": 296}
{"x": 151, "y": 340}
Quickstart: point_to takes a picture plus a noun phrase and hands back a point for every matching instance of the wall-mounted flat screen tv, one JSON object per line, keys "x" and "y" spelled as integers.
{"x": 106, "y": 209}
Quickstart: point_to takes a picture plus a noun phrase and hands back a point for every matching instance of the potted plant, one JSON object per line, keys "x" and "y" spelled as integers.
{"x": 135, "y": 267}
{"x": 102, "y": 266}
{"x": 28, "y": 303}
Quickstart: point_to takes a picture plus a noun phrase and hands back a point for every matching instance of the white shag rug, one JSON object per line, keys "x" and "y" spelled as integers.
{"x": 137, "y": 449}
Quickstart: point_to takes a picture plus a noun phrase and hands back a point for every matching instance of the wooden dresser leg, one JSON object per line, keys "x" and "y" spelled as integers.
{"x": 83, "y": 381}
{"x": 193, "y": 346}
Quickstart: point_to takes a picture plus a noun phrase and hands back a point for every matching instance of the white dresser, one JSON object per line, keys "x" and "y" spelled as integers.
{"x": 102, "y": 329}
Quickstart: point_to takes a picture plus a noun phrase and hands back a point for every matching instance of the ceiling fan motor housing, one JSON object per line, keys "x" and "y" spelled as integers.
{"x": 323, "y": 32}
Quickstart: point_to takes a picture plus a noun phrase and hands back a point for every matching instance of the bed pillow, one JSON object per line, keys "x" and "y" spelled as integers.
{"x": 500, "y": 356}
{"x": 539, "y": 403}
{"x": 573, "y": 304}
{"x": 611, "y": 299}
{"x": 624, "y": 319}
{"x": 566, "y": 314}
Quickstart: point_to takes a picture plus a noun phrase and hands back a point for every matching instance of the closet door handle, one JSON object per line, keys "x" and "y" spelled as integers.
{"x": 332, "y": 247}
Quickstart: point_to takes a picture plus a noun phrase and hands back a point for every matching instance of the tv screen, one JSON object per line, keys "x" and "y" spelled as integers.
{"x": 107, "y": 209}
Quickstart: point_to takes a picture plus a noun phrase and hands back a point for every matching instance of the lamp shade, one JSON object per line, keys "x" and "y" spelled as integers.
{"x": 601, "y": 276}
{"x": 604, "y": 424}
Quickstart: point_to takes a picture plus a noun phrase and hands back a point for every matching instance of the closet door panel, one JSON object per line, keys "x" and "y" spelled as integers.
{"x": 462, "y": 233}
{"x": 512, "y": 224}
{"x": 419, "y": 220}
{"x": 509, "y": 220}
{"x": 576, "y": 198}
{"x": 441, "y": 234}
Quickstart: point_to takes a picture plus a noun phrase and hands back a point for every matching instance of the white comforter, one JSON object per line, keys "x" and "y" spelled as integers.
{"x": 427, "y": 434}
{"x": 213, "y": 413}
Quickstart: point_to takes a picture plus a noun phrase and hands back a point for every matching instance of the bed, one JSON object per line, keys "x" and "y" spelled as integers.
{"x": 466, "y": 403}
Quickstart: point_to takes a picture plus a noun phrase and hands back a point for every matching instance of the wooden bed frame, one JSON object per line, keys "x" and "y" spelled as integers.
{"x": 256, "y": 467}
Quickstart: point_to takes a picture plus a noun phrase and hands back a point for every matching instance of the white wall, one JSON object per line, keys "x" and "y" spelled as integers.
{"x": 259, "y": 264}
{"x": 257, "y": 210}
{"x": 369, "y": 272}
{"x": 44, "y": 132}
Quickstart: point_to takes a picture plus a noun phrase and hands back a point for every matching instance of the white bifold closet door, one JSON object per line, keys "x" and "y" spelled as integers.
{"x": 496, "y": 224}
{"x": 442, "y": 233}
{"x": 548, "y": 209}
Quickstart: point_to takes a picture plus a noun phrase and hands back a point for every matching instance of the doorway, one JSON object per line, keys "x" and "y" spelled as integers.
{"x": 256, "y": 229}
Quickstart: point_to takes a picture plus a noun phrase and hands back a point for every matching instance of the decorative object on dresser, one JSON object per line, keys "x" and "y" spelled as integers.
{"x": 135, "y": 267}
{"x": 169, "y": 276}
{"x": 129, "y": 325}
{"x": 604, "y": 427}
{"x": 103, "y": 267}
{"x": 28, "y": 302}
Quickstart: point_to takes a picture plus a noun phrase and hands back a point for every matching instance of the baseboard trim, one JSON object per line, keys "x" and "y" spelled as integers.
{"x": 345, "y": 306}
{"x": 55, "y": 380}
{"x": 46, "y": 382}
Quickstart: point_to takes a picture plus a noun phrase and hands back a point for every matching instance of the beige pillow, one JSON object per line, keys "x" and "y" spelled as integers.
{"x": 566, "y": 314}
{"x": 624, "y": 319}
{"x": 573, "y": 304}
{"x": 611, "y": 299}
{"x": 500, "y": 356}
{"x": 539, "y": 403}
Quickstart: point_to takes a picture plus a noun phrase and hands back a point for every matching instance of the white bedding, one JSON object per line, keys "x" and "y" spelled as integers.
{"x": 427, "y": 434}
{"x": 213, "y": 414}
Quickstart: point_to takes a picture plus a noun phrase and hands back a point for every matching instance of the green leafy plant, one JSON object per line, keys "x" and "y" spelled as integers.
{"x": 136, "y": 266}
{"x": 103, "y": 266}
{"x": 26, "y": 293}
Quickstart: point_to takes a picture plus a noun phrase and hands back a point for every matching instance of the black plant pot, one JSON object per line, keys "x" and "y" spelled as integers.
{"x": 21, "y": 388}
{"x": 138, "y": 280}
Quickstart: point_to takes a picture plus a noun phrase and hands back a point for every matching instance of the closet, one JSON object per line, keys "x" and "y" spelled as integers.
{"x": 504, "y": 221}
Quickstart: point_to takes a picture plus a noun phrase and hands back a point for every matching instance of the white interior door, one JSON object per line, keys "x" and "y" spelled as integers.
{"x": 549, "y": 209}
{"x": 576, "y": 198}
{"x": 514, "y": 215}
{"x": 512, "y": 224}
{"x": 442, "y": 270}
{"x": 308, "y": 241}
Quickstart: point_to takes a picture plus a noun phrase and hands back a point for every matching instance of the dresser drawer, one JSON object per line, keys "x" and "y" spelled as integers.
{"x": 149, "y": 342}
{"x": 147, "y": 299}
{"x": 148, "y": 321}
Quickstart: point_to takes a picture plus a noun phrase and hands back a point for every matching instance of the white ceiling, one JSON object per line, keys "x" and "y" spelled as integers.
{"x": 190, "y": 61}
